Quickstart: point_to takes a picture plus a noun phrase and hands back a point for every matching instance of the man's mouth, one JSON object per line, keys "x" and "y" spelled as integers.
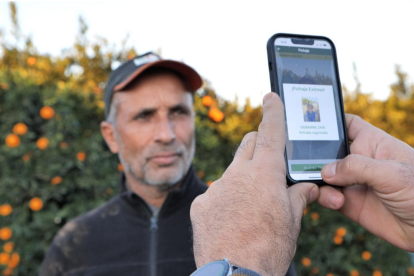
{"x": 165, "y": 158}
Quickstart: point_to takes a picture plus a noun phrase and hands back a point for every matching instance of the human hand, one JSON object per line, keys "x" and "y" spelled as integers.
{"x": 249, "y": 216}
{"x": 377, "y": 182}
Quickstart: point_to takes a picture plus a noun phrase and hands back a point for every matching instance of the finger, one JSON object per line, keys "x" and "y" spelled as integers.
{"x": 246, "y": 149}
{"x": 366, "y": 136}
{"x": 331, "y": 197}
{"x": 301, "y": 195}
{"x": 362, "y": 170}
{"x": 270, "y": 142}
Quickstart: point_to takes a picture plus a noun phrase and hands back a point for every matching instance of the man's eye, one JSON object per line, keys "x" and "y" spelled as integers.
{"x": 143, "y": 116}
{"x": 180, "y": 111}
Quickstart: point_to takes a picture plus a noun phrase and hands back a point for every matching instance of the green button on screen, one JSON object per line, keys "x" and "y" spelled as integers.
{"x": 306, "y": 167}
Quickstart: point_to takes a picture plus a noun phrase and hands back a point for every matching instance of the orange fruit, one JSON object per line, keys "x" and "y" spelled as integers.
{"x": 338, "y": 240}
{"x": 306, "y": 210}
{"x": 209, "y": 183}
{"x": 120, "y": 167}
{"x": 410, "y": 271}
{"x": 47, "y": 112}
{"x": 330, "y": 274}
{"x": 20, "y": 129}
{"x": 5, "y": 210}
{"x": 354, "y": 273}
{"x": 216, "y": 115}
{"x": 36, "y": 204}
{"x": 7, "y": 272}
{"x": 63, "y": 145}
{"x": 8, "y": 247}
{"x": 31, "y": 61}
{"x": 14, "y": 260}
{"x": 315, "y": 216}
{"x": 306, "y": 262}
{"x": 25, "y": 158}
{"x": 12, "y": 140}
{"x": 341, "y": 231}
{"x": 5, "y": 233}
{"x": 207, "y": 100}
{"x": 201, "y": 174}
{"x": 56, "y": 180}
{"x": 377, "y": 273}
{"x": 4, "y": 86}
{"x": 4, "y": 258}
{"x": 315, "y": 270}
{"x": 366, "y": 255}
{"x": 42, "y": 143}
{"x": 81, "y": 156}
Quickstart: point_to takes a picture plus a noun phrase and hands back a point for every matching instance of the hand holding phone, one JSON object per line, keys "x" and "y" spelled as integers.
{"x": 304, "y": 72}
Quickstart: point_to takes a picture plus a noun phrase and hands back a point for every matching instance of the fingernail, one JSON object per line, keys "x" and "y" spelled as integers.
{"x": 313, "y": 193}
{"x": 330, "y": 170}
{"x": 267, "y": 97}
{"x": 333, "y": 200}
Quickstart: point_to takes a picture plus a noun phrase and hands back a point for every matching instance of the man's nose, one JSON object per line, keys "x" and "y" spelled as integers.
{"x": 165, "y": 133}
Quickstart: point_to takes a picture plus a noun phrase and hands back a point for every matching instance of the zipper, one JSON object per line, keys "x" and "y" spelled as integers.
{"x": 153, "y": 246}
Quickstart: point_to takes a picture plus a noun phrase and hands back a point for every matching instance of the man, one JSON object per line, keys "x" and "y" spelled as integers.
{"x": 146, "y": 229}
{"x": 255, "y": 226}
{"x": 310, "y": 115}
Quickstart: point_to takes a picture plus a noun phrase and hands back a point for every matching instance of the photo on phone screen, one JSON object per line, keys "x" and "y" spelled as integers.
{"x": 308, "y": 85}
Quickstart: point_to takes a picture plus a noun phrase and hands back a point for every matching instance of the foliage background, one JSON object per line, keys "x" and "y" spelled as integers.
{"x": 75, "y": 171}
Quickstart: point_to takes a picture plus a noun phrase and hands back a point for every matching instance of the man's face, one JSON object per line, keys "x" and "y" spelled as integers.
{"x": 310, "y": 109}
{"x": 155, "y": 130}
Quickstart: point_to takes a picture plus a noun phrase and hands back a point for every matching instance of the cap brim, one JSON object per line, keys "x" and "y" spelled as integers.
{"x": 193, "y": 78}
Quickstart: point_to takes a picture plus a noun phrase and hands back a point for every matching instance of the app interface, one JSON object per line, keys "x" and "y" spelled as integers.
{"x": 308, "y": 86}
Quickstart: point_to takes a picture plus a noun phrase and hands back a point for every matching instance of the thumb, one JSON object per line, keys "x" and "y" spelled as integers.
{"x": 362, "y": 170}
{"x": 301, "y": 195}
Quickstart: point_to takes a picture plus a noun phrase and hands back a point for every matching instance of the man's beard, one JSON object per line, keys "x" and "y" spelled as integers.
{"x": 164, "y": 181}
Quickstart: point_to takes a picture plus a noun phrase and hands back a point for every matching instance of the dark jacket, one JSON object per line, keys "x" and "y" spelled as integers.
{"x": 123, "y": 238}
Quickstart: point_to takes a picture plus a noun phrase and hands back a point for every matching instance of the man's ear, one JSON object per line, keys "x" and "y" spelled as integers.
{"x": 108, "y": 133}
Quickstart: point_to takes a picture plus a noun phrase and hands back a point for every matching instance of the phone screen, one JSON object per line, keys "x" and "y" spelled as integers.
{"x": 309, "y": 88}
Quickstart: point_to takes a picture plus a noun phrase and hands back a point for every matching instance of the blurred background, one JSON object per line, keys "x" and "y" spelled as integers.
{"x": 55, "y": 58}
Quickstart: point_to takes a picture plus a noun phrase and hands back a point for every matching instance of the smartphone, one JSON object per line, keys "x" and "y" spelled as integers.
{"x": 304, "y": 73}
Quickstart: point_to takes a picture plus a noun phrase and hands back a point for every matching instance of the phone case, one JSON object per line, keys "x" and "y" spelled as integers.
{"x": 275, "y": 88}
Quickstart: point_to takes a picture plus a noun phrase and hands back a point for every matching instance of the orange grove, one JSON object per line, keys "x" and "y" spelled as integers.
{"x": 338, "y": 240}
{"x": 354, "y": 273}
{"x": 5, "y": 233}
{"x": 306, "y": 261}
{"x": 216, "y": 115}
{"x": 4, "y": 258}
{"x": 341, "y": 231}
{"x": 5, "y": 210}
{"x": 56, "y": 180}
{"x": 42, "y": 143}
{"x": 207, "y": 100}
{"x": 81, "y": 156}
{"x": 36, "y": 204}
{"x": 20, "y": 129}
{"x": 314, "y": 216}
{"x": 31, "y": 61}
{"x": 366, "y": 255}
{"x": 47, "y": 112}
{"x": 12, "y": 140}
{"x": 8, "y": 247}
{"x": 14, "y": 260}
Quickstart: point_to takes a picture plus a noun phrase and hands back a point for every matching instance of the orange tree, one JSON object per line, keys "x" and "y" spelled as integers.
{"x": 55, "y": 164}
